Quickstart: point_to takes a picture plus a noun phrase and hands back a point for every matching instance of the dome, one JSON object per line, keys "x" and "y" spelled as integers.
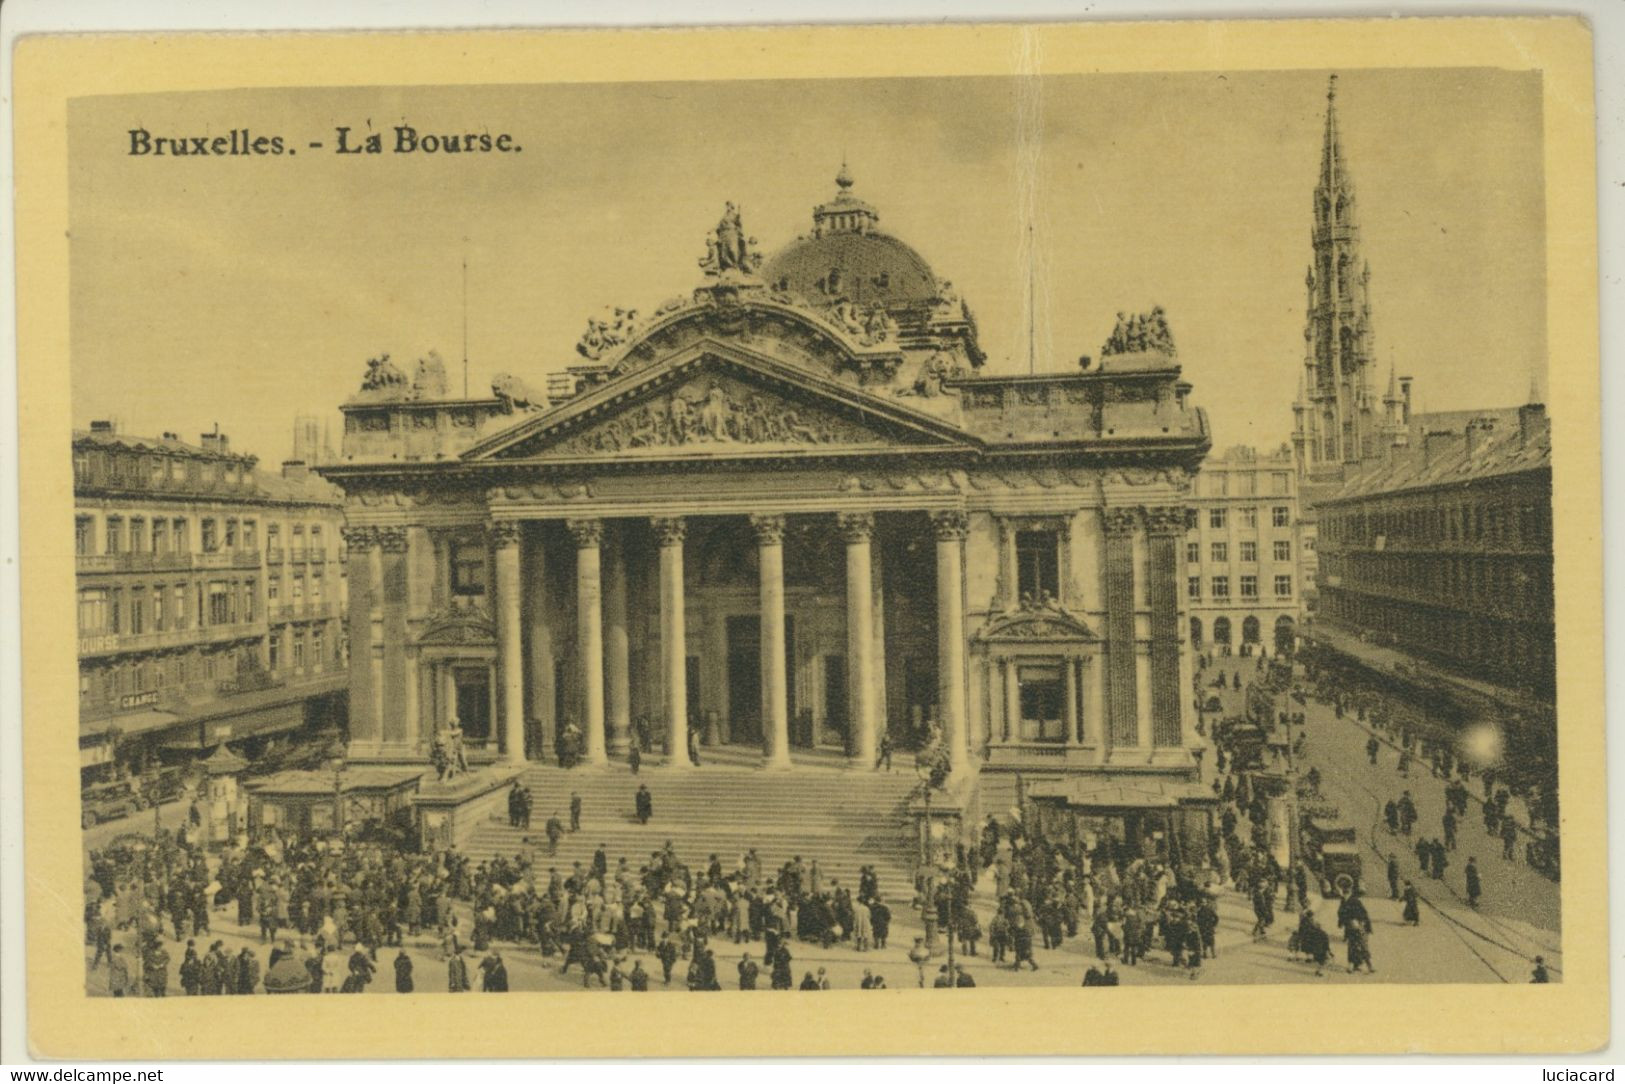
{"x": 847, "y": 258}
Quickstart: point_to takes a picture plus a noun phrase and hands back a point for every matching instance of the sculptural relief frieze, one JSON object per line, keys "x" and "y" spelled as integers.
{"x": 715, "y": 411}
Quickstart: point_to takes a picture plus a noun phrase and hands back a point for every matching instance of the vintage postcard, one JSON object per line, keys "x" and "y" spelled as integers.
{"x": 869, "y": 511}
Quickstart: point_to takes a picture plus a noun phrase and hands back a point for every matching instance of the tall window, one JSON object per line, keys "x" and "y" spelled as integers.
{"x": 219, "y": 602}
{"x": 1249, "y": 516}
{"x": 93, "y": 611}
{"x": 317, "y": 550}
{"x": 1283, "y": 550}
{"x": 231, "y": 534}
{"x": 1247, "y": 484}
{"x": 1215, "y": 518}
{"x": 183, "y": 537}
{"x": 1278, "y": 483}
{"x": 1249, "y": 551}
{"x": 273, "y": 536}
{"x": 1193, "y": 587}
{"x": 298, "y": 588}
{"x": 1281, "y": 516}
{"x": 1249, "y": 587}
{"x": 138, "y": 610}
{"x": 1283, "y": 587}
{"x": 298, "y": 650}
{"x": 273, "y": 588}
{"x": 159, "y": 595}
{"x": 249, "y": 533}
{"x": 178, "y": 596}
{"x": 84, "y": 535}
{"x": 1043, "y": 699}
{"x": 211, "y": 535}
{"x": 250, "y": 589}
{"x": 1221, "y": 587}
{"x": 316, "y": 583}
{"x": 114, "y": 606}
{"x": 468, "y": 567}
{"x": 1038, "y": 572}
{"x": 160, "y": 536}
{"x": 138, "y": 535}
{"x": 1193, "y": 552}
{"x": 115, "y": 534}
{"x": 276, "y": 651}
{"x": 318, "y": 648}
{"x": 1220, "y": 551}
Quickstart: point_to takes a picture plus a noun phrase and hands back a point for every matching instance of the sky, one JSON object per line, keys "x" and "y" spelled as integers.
{"x": 244, "y": 291}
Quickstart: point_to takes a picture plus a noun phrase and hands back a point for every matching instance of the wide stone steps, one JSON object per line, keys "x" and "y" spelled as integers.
{"x": 842, "y": 818}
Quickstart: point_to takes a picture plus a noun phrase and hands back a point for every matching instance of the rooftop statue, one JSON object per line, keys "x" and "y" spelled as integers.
{"x": 382, "y": 375}
{"x": 605, "y": 335}
{"x": 513, "y": 391}
{"x": 728, "y": 248}
{"x": 1141, "y": 333}
{"x": 429, "y": 380}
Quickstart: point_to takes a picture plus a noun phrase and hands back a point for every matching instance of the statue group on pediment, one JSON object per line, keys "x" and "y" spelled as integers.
{"x": 728, "y": 248}
{"x": 1141, "y": 333}
{"x": 720, "y": 415}
{"x": 605, "y": 334}
{"x": 873, "y": 326}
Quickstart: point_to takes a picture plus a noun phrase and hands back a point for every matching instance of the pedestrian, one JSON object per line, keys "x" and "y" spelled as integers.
{"x": 1359, "y": 938}
{"x": 634, "y": 758}
{"x": 644, "y": 803}
{"x": 403, "y": 972}
{"x": 638, "y": 978}
{"x": 1475, "y": 887}
{"x": 191, "y": 972}
{"x": 1539, "y": 974}
{"x": 748, "y": 972}
{"x": 885, "y": 751}
{"x": 1393, "y": 877}
{"x": 575, "y": 812}
{"x": 1371, "y": 747}
{"x": 494, "y": 978}
{"x": 457, "y": 973}
{"x": 1509, "y": 838}
{"x": 1450, "y": 829}
{"x": 555, "y": 832}
{"x": 1413, "y": 912}
{"x": 118, "y": 972}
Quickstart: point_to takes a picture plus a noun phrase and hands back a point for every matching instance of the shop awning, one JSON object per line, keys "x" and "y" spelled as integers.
{"x": 130, "y": 722}
{"x": 1083, "y": 793}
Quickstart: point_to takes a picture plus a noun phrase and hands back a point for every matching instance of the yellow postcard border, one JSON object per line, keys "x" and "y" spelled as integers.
{"x": 64, "y": 1022}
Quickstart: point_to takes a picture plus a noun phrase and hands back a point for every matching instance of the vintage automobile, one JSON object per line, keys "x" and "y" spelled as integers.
{"x": 108, "y": 801}
{"x": 1331, "y": 846}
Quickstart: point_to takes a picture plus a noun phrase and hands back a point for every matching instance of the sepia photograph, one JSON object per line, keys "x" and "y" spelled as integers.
{"x": 1032, "y": 531}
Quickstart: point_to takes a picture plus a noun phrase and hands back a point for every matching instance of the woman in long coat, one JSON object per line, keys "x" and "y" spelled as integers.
{"x": 1413, "y": 912}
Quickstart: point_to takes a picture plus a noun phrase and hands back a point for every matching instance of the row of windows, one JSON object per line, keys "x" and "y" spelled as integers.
{"x": 1523, "y": 523}
{"x": 1217, "y": 483}
{"x": 142, "y": 534}
{"x": 290, "y": 650}
{"x": 1246, "y": 552}
{"x": 1248, "y": 585}
{"x": 296, "y": 584}
{"x": 136, "y": 610}
{"x": 1517, "y": 584}
{"x": 104, "y": 683}
{"x": 1219, "y": 518}
{"x": 126, "y": 469}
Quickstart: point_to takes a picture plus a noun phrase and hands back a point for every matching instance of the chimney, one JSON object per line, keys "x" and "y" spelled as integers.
{"x": 1433, "y": 444}
{"x": 1474, "y": 428}
{"x": 295, "y": 470}
{"x": 103, "y": 425}
{"x": 1405, "y": 397}
{"x": 1531, "y": 422}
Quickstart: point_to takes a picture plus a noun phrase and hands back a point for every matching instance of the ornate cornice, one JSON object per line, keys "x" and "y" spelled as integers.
{"x": 856, "y": 526}
{"x": 671, "y": 530}
{"x": 390, "y": 539}
{"x": 951, "y": 525}
{"x": 769, "y": 529}
{"x": 587, "y": 533}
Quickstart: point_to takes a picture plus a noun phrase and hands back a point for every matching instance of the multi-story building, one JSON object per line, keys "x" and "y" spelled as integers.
{"x": 210, "y": 598}
{"x": 1243, "y": 566}
{"x": 791, "y": 512}
{"x": 1444, "y": 552}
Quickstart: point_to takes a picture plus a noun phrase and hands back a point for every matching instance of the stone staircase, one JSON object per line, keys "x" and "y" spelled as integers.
{"x": 820, "y": 810}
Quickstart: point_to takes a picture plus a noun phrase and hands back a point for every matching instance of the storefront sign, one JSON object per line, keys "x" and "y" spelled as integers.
{"x": 135, "y": 700}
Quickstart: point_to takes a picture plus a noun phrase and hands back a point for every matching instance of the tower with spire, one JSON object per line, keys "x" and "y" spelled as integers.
{"x": 1337, "y": 418}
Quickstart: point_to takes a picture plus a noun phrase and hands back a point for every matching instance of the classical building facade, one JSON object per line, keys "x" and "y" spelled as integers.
{"x": 210, "y": 598}
{"x": 788, "y": 509}
{"x": 1243, "y": 565}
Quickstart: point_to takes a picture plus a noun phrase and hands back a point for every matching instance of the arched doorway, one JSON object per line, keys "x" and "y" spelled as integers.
{"x": 1249, "y": 630}
{"x": 1286, "y": 633}
{"x": 1221, "y": 631}
{"x": 1196, "y": 632}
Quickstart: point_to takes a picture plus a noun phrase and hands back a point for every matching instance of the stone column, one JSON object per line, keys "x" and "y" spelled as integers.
{"x": 510, "y": 643}
{"x": 617, "y": 645}
{"x": 1074, "y": 733}
{"x": 1094, "y": 710}
{"x": 1012, "y": 701}
{"x": 775, "y": 703}
{"x": 1122, "y": 684}
{"x": 589, "y": 535}
{"x": 392, "y": 708}
{"x": 673, "y": 638}
{"x": 950, "y": 530}
{"x": 858, "y": 529}
{"x": 364, "y": 724}
{"x": 540, "y": 678}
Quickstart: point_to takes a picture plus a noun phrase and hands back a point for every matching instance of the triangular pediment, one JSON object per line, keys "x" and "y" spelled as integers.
{"x": 457, "y": 626}
{"x": 718, "y": 401}
{"x": 1037, "y": 622}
